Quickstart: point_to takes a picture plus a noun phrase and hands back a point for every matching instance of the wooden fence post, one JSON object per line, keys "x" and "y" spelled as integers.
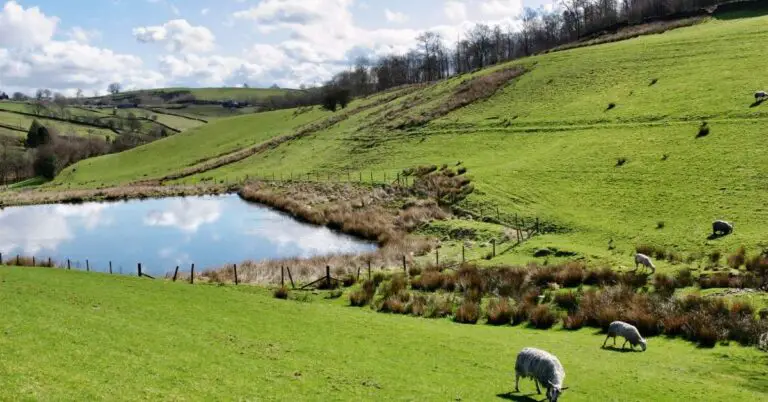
{"x": 328, "y": 276}
{"x": 498, "y": 216}
{"x": 462, "y": 253}
{"x": 1, "y": 258}
{"x": 493, "y": 242}
{"x": 282, "y": 277}
{"x": 290, "y": 277}
{"x": 192, "y": 275}
{"x": 369, "y": 269}
{"x": 437, "y": 257}
{"x": 349, "y": 177}
{"x": 405, "y": 268}
{"x": 537, "y": 224}
{"x": 69, "y": 265}
{"x": 234, "y": 266}
{"x": 110, "y": 267}
{"x": 358, "y": 274}
{"x": 17, "y": 260}
{"x": 33, "y": 260}
{"x": 371, "y": 177}
{"x": 175, "y": 273}
{"x": 139, "y": 269}
{"x": 49, "y": 262}
{"x": 87, "y": 266}
{"x": 361, "y": 176}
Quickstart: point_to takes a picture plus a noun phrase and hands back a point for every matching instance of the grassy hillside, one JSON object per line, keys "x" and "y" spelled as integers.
{"x": 548, "y": 144}
{"x": 76, "y": 336}
{"x": 186, "y": 148}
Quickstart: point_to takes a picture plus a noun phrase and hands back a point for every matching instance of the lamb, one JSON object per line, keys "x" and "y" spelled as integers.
{"x": 721, "y": 227}
{"x": 760, "y": 95}
{"x": 642, "y": 259}
{"x": 544, "y": 368}
{"x": 628, "y": 331}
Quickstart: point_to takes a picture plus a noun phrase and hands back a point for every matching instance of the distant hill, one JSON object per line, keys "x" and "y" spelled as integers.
{"x": 188, "y": 95}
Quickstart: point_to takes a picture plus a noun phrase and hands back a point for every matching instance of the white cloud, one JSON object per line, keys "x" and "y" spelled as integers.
{"x": 394, "y": 16}
{"x": 178, "y": 35}
{"x": 186, "y": 214}
{"x": 22, "y": 28}
{"x": 502, "y": 8}
{"x": 455, "y": 10}
{"x": 79, "y": 34}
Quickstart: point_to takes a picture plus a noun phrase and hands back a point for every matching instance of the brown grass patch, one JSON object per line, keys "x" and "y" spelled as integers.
{"x": 467, "y": 313}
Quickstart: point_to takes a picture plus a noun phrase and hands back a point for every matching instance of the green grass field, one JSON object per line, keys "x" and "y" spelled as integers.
{"x": 68, "y": 335}
{"x": 211, "y": 94}
{"x": 547, "y": 145}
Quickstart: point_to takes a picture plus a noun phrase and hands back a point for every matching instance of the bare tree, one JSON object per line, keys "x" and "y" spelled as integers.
{"x": 114, "y": 88}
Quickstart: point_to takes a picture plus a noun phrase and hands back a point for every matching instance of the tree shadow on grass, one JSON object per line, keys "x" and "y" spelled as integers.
{"x": 511, "y": 396}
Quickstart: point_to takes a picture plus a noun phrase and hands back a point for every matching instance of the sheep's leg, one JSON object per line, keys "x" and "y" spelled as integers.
{"x": 606, "y": 340}
{"x": 517, "y": 382}
{"x": 624, "y": 344}
{"x": 537, "y": 386}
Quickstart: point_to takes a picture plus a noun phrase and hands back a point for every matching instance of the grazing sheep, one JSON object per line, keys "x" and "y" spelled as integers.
{"x": 760, "y": 95}
{"x": 721, "y": 227}
{"x": 544, "y": 368}
{"x": 628, "y": 331}
{"x": 642, "y": 259}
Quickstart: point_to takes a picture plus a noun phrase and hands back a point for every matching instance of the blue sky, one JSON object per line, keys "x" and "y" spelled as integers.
{"x": 66, "y": 45}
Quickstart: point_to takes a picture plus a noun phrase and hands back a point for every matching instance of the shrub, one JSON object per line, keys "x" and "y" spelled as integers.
{"x": 571, "y": 276}
{"x": 717, "y": 280}
{"x": 507, "y": 282}
{"x": 674, "y": 257}
{"x": 349, "y": 280}
{"x": 652, "y": 251}
{"x": 647, "y": 322}
{"x": 520, "y": 313}
{"x": 499, "y": 312}
{"x": 467, "y": 313}
{"x": 429, "y": 281}
{"x": 633, "y": 280}
{"x": 568, "y": 301}
{"x": 738, "y": 258}
{"x": 673, "y": 325}
{"x": 461, "y": 170}
{"x": 438, "y": 307}
{"x": 281, "y": 293}
{"x": 378, "y": 278}
{"x": 683, "y": 278}
{"x": 603, "y": 277}
{"x": 664, "y": 284}
{"x": 621, "y": 161}
{"x": 335, "y": 294}
{"x": 742, "y": 309}
{"x": 364, "y": 295}
{"x": 393, "y": 304}
{"x": 470, "y": 277}
{"x": 414, "y": 271}
{"x": 714, "y": 257}
{"x": 542, "y": 317}
{"x": 574, "y": 321}
{"x": 542, "y": 276}
{"x": 417, "y": 306}
{"x": 393, "y": 287}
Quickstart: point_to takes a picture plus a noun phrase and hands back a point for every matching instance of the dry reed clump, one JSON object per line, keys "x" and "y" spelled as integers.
{"x": 574, "y": 321}
{"x": 542, "y": 317}
{"x": 568, "y": 301}
{"x": 738, "y": 258}
{"x": 364, "y": 295}
{"x": 417, "y": 305}
{"x": 499, "y": 312}
{"x": 468, "y": 312}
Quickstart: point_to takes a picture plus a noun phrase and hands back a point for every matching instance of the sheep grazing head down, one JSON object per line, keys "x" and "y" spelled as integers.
{"x": 554, "y": 392}
{"x": 643, "y": 344}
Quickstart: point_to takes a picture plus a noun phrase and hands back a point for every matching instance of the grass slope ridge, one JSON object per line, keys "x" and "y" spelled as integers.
{"x": 63, "y": 332}
{"x": 547, "y": 144}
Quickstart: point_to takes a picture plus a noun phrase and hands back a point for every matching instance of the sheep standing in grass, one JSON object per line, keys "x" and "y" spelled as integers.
{"x": 760, "y": 96}
{"x": 721, "y": 227}
{"x": 644, "y": 260}
{"x": 544, "y": 368}
{"x": 628, "y": 331}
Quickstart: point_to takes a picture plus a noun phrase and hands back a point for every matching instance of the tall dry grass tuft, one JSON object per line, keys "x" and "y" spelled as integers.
{"x": 499, "y": 312}
{"x": 468, "y": 312}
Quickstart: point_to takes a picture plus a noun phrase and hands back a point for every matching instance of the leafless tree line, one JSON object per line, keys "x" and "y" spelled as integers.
{"x": 435, "y": 57}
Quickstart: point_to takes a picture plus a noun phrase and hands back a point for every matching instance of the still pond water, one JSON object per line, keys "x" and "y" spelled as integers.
{"x": 162, "y": 233}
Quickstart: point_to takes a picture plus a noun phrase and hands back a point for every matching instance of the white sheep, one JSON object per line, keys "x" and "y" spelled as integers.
{"x": 642, "y": 259}
{"x": 628, "y": 331}
{"x": 544, "y": 368}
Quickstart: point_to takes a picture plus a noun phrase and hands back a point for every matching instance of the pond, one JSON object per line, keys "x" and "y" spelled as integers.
{"x": 160, "y": 234}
